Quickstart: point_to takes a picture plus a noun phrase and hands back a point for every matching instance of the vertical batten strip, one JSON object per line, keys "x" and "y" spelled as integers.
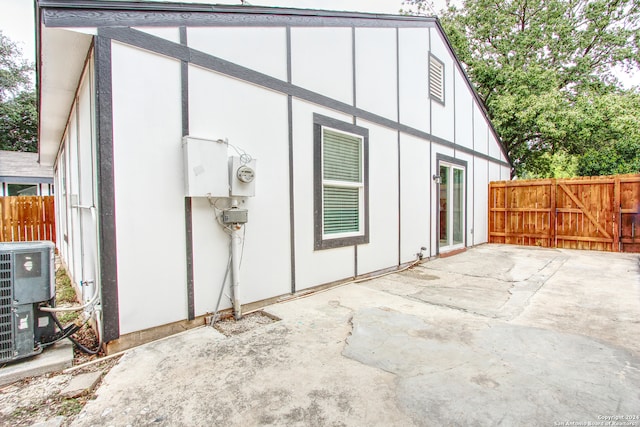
{"x": 188, "y": 208}
{"x": 106, "y": 190}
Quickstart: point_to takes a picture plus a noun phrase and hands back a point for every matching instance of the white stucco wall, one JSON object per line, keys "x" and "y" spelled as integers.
{"x": 494, "y": 148}
{"x": 149, "y": 189}
{"x": 480, "y": 195}
{"x": 258, "y": 48}
{"x": 415, "y": 193}
{"x": 73, "y": 186}
{"x": 382, "y": 250}
{"x": 480, "y": 131}
{"x": 413, "y": 78}
{"x": 376, "y": 71}
{"x": 391, "y": 81}
{"x": 59, "y": 171}
{"x": 254, "y": 120}
{"x": 463, "y": 111}
{"x": 87, "y": 184}
{"x": 312, "y": 267}
{"x": 75, "y": 183}
{"x": 322, "y": 61}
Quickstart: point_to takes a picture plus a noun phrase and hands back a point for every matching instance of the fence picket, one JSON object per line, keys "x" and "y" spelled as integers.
{"x": 598, "y": 213}
{"x": 27, "y": 218}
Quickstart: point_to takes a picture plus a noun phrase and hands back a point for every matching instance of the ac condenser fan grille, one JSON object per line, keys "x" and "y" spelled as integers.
{"x": 6, "y": 301}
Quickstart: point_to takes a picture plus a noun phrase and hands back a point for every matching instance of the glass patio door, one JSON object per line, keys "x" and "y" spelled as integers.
{"x": 451, "y": 207}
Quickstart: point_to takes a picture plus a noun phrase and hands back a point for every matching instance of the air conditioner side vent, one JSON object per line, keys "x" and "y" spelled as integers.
{"x": 7, "y": 332}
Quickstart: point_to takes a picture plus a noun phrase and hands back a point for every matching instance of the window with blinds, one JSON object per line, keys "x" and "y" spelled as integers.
{"x": 436, "y": 79}
{"x": 342, "y": 183}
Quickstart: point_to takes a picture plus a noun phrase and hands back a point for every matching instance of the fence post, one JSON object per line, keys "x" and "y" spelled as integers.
{"x": 617, "y": 216}
{"x": 490, "y": 213}
{"x": 506, "y": 213}
{"x": 553, "y": 242}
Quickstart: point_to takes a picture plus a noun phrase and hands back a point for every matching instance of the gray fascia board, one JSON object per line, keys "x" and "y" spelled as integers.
{"x": 38, "y": 64}
{"x": 99, "y": 13}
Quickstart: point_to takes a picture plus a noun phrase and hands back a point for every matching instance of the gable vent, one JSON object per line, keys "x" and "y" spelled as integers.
{"x": 436, "y": 79}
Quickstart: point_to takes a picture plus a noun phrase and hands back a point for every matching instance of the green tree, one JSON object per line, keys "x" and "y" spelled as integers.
{"x": 544, "y": 67}
{"x": 611, "y": 127}
{"x": 18, "y": 113}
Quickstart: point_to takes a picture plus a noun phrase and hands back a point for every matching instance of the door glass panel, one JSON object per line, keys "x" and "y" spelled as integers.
{"x": 458, "y": 206}
{"x": 444, "y": 213}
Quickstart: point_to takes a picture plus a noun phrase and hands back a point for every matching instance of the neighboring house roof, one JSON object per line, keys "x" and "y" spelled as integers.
{"x": 17, "y": 166}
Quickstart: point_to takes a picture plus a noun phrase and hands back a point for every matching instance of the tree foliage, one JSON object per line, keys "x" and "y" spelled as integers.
{"x": 18, "y": 114}
{"x": 546, "y": 71}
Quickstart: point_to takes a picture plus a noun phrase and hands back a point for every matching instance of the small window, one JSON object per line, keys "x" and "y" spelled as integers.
{"x": 436, "y": 79}
{"x": 22, "y": 189}
{"x": 341, "y": 189}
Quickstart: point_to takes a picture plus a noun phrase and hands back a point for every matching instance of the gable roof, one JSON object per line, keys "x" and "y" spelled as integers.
{"x": 52, "y": 14}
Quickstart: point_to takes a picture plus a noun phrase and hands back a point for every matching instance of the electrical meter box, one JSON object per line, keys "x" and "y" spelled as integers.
{"x": 242, "y": 177}
{"x": 205, "y": 167}
{"x": 235, "y": 216}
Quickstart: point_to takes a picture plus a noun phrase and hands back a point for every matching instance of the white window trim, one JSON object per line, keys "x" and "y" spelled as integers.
{"x": 322, "y": 241}
{"x": 463, "y": 167}
{"x": 345, "y": 184}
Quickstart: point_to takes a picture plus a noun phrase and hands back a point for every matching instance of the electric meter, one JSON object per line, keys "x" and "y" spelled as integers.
{"x": 245, "y": 174}
{"x": 242, "y": 177}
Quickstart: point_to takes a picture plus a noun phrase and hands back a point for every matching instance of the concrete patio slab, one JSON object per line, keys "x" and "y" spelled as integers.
{"x": 494, "y": 375}
{"x": 498, "y": 335}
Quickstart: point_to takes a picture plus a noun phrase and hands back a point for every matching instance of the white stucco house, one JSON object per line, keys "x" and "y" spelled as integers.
{"x": 359, "y": 145}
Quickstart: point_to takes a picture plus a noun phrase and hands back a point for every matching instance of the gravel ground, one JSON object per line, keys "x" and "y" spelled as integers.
{"x": 37, "y": 399}
{"x": 229, "y": 326}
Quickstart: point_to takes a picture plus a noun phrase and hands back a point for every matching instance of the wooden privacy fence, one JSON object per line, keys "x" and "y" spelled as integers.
{"x": 27, "y": 218}
{"x": 596, "y": 213}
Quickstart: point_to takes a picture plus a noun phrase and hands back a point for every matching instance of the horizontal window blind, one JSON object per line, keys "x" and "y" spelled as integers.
{"x": 342, "y": 157}
{"x": 342, "y": 175}
{"x": 341, "y": 209}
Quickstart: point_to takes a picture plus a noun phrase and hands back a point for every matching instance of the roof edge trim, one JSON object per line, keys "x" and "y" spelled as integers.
{"x": 199, "y": 7}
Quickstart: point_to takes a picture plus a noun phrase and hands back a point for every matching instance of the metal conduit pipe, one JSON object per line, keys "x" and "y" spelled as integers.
{"x": 91, "y": 302}
{"x": 236, "y": 249}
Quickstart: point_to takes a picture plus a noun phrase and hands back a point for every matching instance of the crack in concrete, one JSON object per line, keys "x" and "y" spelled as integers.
{"x": 452, "y": 307}
{"x": 476, "y": 276}
{"x": 520, "y": 298}
{"x": 520, "y": 292}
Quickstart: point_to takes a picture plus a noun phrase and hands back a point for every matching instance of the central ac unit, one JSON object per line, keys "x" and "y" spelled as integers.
{"x": 27, "y": 280}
